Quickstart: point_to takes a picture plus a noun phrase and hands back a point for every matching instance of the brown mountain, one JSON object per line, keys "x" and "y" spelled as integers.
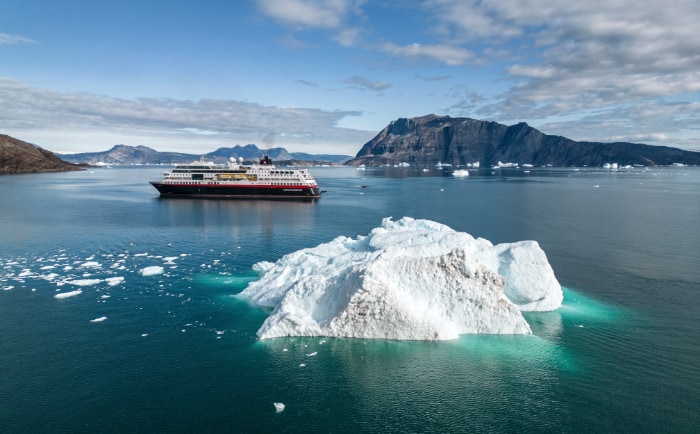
{"x": 17, "y": 156}
{"x": 432, "y": 139}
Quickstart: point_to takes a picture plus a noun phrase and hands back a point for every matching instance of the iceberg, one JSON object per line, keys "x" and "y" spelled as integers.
{"x": 407, "y": 280}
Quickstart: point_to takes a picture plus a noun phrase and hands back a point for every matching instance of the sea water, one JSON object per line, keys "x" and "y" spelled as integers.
{"x": 153, "y": 336}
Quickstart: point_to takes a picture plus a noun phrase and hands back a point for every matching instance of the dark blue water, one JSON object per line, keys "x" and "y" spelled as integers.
{"x": 177, "y": 351}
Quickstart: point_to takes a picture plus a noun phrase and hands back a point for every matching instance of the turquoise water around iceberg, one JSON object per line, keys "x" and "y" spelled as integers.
{"x": 177, "y": 351}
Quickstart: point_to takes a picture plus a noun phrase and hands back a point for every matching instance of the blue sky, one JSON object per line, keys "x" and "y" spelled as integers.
{"x": 326, "y": 76}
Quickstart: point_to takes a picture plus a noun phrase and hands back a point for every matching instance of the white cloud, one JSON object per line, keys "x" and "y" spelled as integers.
{"x": 347, "y": 37}
{"x": 446, "y": 54}
{"x": 652, "y": 122}
{"x": 14, "y": 39}
{"x": 612, "y": 68}
{"x": 29, "y": 112}
{"x": 582, "y": 55}
{"x": 308, "y": 13}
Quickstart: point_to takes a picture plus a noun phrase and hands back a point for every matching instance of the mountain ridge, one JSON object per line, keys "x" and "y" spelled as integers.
{"x": 130, "y": 155}
{"x": 431, "y": 139}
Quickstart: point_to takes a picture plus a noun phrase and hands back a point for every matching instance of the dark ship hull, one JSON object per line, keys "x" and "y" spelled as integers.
{"x": 237, "y": 191}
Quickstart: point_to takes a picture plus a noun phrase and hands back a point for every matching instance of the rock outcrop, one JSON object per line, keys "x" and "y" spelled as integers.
{"x": 432, "y": 139}
{"x": 17, "y": 156}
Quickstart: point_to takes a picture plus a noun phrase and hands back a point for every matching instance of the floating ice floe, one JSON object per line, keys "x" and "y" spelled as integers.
{"x": 113, "y": 281}
{"x": 152, "y": 271}
{"x": 408, "y": 279}
{"x": 68, "y": 294}
{"x": 83, "y": 282}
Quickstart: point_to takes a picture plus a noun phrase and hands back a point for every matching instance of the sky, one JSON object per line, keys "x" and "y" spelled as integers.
{"x": 326, "y": 76}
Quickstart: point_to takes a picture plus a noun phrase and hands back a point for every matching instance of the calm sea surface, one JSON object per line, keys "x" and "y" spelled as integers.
{"x": 177, "y": 351}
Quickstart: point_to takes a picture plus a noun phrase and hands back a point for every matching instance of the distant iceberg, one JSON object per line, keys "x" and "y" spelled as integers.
{"x": 407, "y": 280}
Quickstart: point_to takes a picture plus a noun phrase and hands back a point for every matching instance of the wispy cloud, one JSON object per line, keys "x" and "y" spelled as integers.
{"x": 29, "y": 109}
{"x": 449, "y": 55}
{"x": 309, "y": 13}
{"x": 332, "y": 15}
{"x": 366, "y": 83}
{"x": 14, "y": 39}
{"x": 307, "y": 83}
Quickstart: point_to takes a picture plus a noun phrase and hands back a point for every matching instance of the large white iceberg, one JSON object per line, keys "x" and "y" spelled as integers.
{"x": 408, "y": 279}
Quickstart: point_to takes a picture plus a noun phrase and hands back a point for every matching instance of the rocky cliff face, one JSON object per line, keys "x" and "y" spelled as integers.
{"x": 432, "y": 139}
{"x": 17, "y": 156}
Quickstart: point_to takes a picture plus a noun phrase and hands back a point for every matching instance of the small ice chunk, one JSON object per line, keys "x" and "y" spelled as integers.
{"x": 68, "y": 294}
{"x": 49, "y": 277}
{"x": 83, "y": 282}
{"x": 113, "y": 281}
{"x": 152, "y": 271}
{"x": 100, "y": 319}
{"x": 279, "y": 407}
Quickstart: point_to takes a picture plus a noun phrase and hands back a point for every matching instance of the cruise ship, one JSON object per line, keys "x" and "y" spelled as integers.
{"x": 236, "y": 181}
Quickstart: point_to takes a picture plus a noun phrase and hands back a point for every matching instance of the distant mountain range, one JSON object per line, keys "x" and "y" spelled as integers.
{"x": 130, "y": 155}
{"x": 432, "y": 139}
{"x": 421, "y": 141}
{"x": 17, "y": 156}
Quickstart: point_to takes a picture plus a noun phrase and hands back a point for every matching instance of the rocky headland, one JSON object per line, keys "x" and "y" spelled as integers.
{"x": 432, "y": 139}
{"x": 17, "y": 156}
